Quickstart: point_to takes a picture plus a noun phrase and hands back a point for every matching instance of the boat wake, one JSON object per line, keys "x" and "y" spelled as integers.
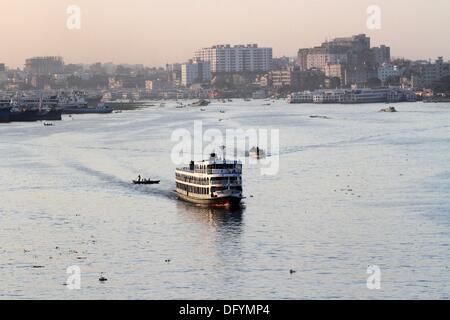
{"x": 113, "y": 181}
{"x": 365, "y": 139}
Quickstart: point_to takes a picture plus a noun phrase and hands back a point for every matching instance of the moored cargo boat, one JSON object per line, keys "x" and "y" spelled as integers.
{"x": 24, "y": 115}
{"x": 5, "y": 109}
{"x": 5, "y": 114}
{"x": 33, "y": 108}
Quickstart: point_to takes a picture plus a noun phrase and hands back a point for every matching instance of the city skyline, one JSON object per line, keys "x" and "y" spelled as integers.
{"x": 159, "y": 32}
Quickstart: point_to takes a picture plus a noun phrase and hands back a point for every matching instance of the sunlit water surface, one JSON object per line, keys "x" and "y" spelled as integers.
{"x": 356, "y": 189}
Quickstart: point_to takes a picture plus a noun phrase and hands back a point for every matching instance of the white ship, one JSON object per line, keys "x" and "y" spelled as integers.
{"x": 353, "y": 96}
{"x": 301, "y": 97}
{"x": 213, "y": 182}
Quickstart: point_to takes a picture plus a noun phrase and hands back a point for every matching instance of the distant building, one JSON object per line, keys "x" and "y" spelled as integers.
{"x": 44, "y": 65}
{"x": 350, "y": 59}
{"x": 359, "y": 74}
{"x": 434, "y": 72}
{"x": 114, "y": 83}
{"x": 41, "y": 81}
{"x": 357, "y": 43}
{"x": 236, "y": 59}
{"x": 302, "y": 59}
{"x": 195, "y": 71}
{"x": 149, "y": 85}
{"x": 96, "y": 68}
{"x": 381, "y": 54}
{"x": 3, "y": 74}
{"x": 157, "y": 85}
{"x": 281, "y": 78}
{"x": 262, "y": 80}
{"x": 320, "y": 57}
{"x": 285, "y": 78}
{"x": 281, "y": 63}
{"x": 336, "y": 71}
{"x": 174, "y": 73}
{"x": 387, "y": 71}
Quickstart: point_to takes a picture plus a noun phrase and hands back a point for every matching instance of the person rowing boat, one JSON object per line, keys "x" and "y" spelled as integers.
{"x": 140, "y": 180}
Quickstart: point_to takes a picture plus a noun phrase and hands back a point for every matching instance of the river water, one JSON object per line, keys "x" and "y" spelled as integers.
{"x": 355, "y": 188}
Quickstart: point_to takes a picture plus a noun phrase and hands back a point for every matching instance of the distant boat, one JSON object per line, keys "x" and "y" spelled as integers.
{"x": 257, "y": 153}
{"x": 201, "y": 103}
{"x": 146, "y": 181}
{"x": 100, "y": 109}
{"x": 51, "y": 114}
{"x": 5, "y": 114}
{"x": 34, "y": 114}
{"x": 24, "y": 115}
{"x": 93, "y": 99}
{"x": 29, "y": 108}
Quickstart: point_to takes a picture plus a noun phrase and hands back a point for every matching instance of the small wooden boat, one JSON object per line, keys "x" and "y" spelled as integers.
{"x": 256, "y": 153}
{"x": 201, "y": 103}
{"x": 146, "y": 181}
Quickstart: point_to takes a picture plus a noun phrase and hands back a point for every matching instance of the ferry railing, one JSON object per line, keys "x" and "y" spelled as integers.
{"x": 223, "y": 171}
{"x": 213, "y": 171}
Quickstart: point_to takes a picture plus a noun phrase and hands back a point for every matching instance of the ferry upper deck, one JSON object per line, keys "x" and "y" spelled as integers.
{"x": 213, "y": 167}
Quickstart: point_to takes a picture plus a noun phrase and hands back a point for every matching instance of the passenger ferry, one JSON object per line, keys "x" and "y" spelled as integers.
{"x": 353, "y": 96}
{"x": 213, "y": 182}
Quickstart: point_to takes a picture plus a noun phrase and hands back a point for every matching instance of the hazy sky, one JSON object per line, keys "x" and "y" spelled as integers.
{"x": 156, "y": 32}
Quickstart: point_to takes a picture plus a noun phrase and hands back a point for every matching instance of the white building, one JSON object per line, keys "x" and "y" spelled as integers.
{"x": 195, "y": 71}
{"x": 240, "y": 58}
{"x": 386, "y": 71}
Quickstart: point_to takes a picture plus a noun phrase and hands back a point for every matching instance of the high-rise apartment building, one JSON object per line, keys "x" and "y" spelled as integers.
{"x": 320, "y": 57}
{"x": 387, "y": 71}
{"x": 235, "y": 59}
{"x": 350, "y": 58}
{"x": 195, "y": 71}
{"x": 44, "y": 65}
{"x": 381, "y": 54}
{"x": 434, "y": 72}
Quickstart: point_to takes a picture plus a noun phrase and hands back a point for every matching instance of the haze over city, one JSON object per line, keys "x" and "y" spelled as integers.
{"x": 157, "y": 32}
